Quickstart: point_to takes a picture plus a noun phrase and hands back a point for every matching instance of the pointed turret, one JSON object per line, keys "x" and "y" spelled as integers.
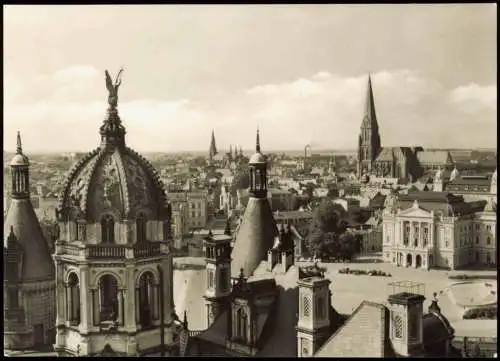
{"x": 257, "y": 230}
{"x": 22, "y": 222}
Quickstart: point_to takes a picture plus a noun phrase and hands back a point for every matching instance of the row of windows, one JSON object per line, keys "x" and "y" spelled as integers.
{"x": 108, "y": 229}
{"x": 108, "y": 303}
{"x": 478, "y": 228}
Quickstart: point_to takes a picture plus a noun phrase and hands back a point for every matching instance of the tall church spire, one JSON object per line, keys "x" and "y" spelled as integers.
{"x": 369, "y": 144}
{"x": 213, "y": 148}
{"x": 369, "y": 103}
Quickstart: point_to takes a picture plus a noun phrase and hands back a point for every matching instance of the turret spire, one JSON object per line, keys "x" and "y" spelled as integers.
{"x": 19, "y": 149}
{"x": 257, "y": 144}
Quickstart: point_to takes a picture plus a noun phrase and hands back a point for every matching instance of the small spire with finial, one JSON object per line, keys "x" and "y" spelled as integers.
{"x": 185, "y": 321}
{"x": 19, "y": 149}
{"x": 257, "y": 144}
{"x": 227, "y": 230}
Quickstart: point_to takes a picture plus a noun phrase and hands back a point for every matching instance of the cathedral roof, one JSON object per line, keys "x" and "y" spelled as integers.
{"x": 434, "y": 157}
{"x": 37, "y": 263}
{"x": 112, "y": 178}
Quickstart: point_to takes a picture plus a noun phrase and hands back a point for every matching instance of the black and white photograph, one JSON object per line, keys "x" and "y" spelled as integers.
{"x": 250, "y": 180}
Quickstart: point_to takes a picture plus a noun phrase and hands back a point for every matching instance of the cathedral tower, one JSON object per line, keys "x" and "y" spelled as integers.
{"x": 369, "y": 144}
{"x": 29, "y": 285}
{"x": 113, "y": 258}
{"x": 217, "y": 251}
{"x": 212, "y": 151}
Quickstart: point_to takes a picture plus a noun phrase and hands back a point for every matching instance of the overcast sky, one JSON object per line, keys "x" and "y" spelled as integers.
{"x": 298, "y": 72}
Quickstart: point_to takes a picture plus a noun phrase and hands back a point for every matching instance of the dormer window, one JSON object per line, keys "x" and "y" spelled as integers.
{"x": 107, "y": 229}
{"x": 141, "y": 227}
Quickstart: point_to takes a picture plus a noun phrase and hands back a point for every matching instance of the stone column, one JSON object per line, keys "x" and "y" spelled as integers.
{"x": 137, "y": 305}
{"x": 120, "y": 307}
{"x": 67, "y": 299}
{"x": 155, "y": 296}
{"x": 60, "y": 295}
{"x": 96, "y": 312}
{"x": 130, "y": 313}
{"x": 85, "y": 308}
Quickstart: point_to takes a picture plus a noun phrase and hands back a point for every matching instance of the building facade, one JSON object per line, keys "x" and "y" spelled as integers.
{"x": 430, "y": 229}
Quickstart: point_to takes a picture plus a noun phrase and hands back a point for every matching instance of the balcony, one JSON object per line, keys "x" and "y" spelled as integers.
{"x": 111, "y": 251}
{"x": 106, "y": 251}
{"x": 146, "y": 249}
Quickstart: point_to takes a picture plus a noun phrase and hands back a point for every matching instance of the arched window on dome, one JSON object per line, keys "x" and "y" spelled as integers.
{"x": 141, "y": 227}
{"x": 73, "y": 299}
{"x": 108, "y": 299}
{"x": 147, "y": 300}
{"x": 107, "y": 229}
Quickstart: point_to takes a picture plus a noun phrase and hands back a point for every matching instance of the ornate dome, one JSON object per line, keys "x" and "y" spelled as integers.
{"x": 112, "y": 178}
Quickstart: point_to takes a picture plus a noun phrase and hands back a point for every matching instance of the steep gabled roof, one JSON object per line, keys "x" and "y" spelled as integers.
{"x": 364, "y": 334}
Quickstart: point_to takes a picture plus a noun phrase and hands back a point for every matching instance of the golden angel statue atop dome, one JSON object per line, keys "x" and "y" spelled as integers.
{"x": 113, "y": 88}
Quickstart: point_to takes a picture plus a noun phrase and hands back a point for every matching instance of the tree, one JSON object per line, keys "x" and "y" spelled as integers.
{"x": 348, "y": 246}
{"x": 241, "y": 178}
{"x": 324, "y": 229}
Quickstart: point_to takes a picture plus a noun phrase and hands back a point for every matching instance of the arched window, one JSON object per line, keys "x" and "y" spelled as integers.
{"x": 108, "y": 298}
{"x": 73, "y": 299}
{"x": 257, "y": 179}
{"x": 306, "y": 307}
{"x": 141, "y": 229}
{"x": 147, "y": 299}
{"x": 108, "y": 229}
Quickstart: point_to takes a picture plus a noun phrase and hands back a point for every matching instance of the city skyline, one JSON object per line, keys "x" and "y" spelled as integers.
{"x": 298, "y": 72}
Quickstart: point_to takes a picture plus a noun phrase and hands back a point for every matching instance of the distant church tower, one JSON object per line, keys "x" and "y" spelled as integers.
{"x": 113, "y": 258}
{"x": 212, "y": 151}
{"x": 218, "y": 267}
{"x": 369, "y": 144}
{"x": 29, "y": 275}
